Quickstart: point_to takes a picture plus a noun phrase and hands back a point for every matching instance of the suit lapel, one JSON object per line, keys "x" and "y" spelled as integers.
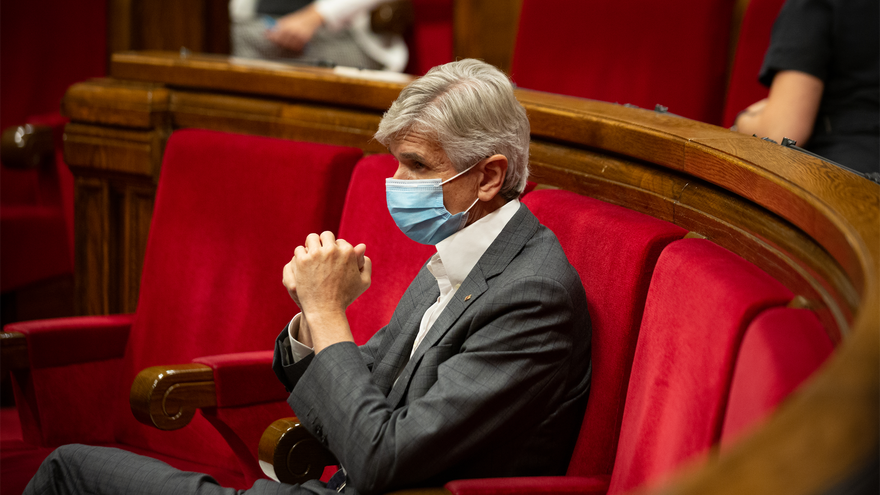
{"x": 506, "y": 246}
{"x": 416, "y": 301}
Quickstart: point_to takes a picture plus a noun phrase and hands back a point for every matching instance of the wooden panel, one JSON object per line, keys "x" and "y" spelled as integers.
{"x": 169, "y": 25}
{"x": 486, "y": 30}
{"x": 93, "y": 250}
{"x": 137, "y": 213}
{"x": 256, "y": 77}
{"x": 88, "y": 149}
{"x": 118, "y": 103}
{"x": 304, "y": 122}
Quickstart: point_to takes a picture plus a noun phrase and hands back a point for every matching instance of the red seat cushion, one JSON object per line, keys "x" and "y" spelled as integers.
{"x": 701, "y": 299}
{"x": 782, "y": 347}
{"x": 229, "y": 211}
{"x": 671, "y": 53}
{"x": 614, "y": 251}
{"x": 754, "y": 38}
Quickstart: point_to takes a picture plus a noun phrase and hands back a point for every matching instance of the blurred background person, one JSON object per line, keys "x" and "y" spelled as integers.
{"x": 322, "y": 32}
{"x": 823, "y": 70}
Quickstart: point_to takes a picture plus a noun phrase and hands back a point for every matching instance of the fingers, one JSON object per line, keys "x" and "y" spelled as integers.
{"x": 359, "y": 251}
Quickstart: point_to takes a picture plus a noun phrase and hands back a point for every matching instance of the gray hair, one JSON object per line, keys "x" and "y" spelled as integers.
{"x": 469, "y": 108}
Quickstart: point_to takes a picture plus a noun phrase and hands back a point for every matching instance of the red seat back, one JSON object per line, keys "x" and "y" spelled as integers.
{"x": 754, "y": 38}
{"x": 781, "y": 348}
{"x": 614, "y": 251}
{"x": 700, "y": 301}
{"x": 229, "y": 211}
{"x": 641, "y": 52}
{"x": 396, "y": 258}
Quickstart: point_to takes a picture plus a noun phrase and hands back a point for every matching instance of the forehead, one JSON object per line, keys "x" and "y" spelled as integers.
{"x": 417, "y": 146}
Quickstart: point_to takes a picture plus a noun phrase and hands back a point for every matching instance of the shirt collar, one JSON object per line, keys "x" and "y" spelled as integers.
{"x": 461, "y": 251}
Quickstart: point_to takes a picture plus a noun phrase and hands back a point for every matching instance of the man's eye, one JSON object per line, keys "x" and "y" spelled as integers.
{"x": 418, "y": 165}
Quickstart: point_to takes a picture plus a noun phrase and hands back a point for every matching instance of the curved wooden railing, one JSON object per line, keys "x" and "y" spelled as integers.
{"x": 811, "y": 225}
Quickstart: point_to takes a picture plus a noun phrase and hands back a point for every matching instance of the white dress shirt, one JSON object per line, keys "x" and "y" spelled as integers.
{"x": 456, "y": 257}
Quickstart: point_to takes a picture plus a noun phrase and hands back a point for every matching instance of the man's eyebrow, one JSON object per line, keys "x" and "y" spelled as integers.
{"x": 414, "y": 156}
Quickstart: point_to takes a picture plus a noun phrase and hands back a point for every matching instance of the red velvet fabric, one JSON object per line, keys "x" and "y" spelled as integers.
{"x": 34, "y": 245}
{"x": 66, "y": 341}
{"x": 85, "y": 350}
{"x": 396, "y": 258}
{"x": 782, "y": 347}
{"x": 641, "y": 52}
{"x": 39, "y": 64}
{"x": 700, "y": 300}
{"x": 531, "y": 486}
{"x": 614, "y": 251}
{"x": 754, "y": 38}
{"x": 229, "y": 211}
{"x": 244, "y": 378}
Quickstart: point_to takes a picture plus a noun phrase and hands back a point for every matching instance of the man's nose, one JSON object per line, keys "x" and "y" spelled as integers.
{"x": 400, "y": 173}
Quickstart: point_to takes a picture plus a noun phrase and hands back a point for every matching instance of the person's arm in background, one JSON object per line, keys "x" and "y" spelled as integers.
{"x": 294, "y": 30}
{"x": 789, "y": 111}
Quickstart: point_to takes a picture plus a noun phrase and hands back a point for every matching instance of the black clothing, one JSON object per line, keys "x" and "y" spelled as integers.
{"x": 837, "y": 41}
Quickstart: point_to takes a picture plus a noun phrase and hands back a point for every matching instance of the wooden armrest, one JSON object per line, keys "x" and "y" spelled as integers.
{"x": 13, "y": 352}
{"x": 290, "y": 454}
{"x": 27, "y": 146}
{"x": 392, "y": 17}
{"x": 167, "y": 397}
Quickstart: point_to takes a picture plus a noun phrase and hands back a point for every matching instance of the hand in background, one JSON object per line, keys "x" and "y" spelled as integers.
{"x": 294, "y": 30}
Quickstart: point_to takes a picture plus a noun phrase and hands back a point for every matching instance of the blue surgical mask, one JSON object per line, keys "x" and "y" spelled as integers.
{"x": 417, "y": 208}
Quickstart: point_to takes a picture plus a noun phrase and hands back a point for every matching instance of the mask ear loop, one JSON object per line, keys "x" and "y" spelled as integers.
{"x": 460, "y": 173}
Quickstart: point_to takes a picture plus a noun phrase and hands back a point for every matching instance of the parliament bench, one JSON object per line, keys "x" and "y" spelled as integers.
{"x": 805, "y": 224}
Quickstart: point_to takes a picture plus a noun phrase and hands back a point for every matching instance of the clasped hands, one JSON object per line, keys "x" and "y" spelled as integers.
{"x": 324, "y": 277}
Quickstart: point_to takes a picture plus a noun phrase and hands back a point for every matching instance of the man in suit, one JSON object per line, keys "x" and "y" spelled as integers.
{"x": 484, "y": 368}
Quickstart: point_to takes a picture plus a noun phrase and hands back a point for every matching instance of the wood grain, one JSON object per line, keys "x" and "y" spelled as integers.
{"x": 167, "y": 397}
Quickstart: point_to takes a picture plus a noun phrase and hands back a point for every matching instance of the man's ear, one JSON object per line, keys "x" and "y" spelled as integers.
{"x": 494, "y": 172}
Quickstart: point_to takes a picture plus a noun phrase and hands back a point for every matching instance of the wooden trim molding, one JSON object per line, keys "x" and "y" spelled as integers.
{"x": 290, "y": 454}
{"x": 167, "y": 397}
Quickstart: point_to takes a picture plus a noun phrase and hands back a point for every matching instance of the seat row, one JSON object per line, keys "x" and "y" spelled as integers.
{"x": 691, "y": 344}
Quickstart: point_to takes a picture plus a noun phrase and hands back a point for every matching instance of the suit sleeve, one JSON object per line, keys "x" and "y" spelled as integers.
{"x": 503, "y": 373}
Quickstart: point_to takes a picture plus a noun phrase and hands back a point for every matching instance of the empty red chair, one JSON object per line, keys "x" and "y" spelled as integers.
{"x": 702, "y": 297}
{"x": 782, "y": 347}
{"x": 229, "y": 211}
{"x": 641, "y": 52}
{"x": 754, "y": 38}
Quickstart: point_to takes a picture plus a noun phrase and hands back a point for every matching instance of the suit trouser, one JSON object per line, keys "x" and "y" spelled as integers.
{"x": 74, "y": 469}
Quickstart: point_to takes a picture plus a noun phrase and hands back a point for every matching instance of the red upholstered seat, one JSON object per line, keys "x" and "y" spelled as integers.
{"x": 641, "y": 52}
{"x": 229, "y": 210}
{"x": 614, "y": 250}
{"x": 700, "y": 301}
{"x": 754, "y": 38}
{"x": 782, "y": 347}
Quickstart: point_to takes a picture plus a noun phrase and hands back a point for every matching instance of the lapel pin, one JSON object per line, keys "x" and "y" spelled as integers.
{"x": 467, "y": 297}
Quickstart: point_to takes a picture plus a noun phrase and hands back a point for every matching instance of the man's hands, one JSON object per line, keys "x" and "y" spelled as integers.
{"x": 294, "y": 30}
{"x": 324, "y": 277}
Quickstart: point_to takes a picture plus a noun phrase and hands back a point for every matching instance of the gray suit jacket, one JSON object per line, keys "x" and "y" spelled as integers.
{"x": 497, "y": 388}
